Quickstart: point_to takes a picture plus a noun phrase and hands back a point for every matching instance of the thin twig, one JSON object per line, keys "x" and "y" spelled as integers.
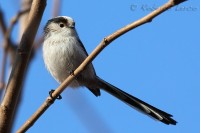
{"x": 13, "y": 89}
{"x": 2, "y": 77}
{"x": 107, "y": 40}
{"x": 16, "y": 18}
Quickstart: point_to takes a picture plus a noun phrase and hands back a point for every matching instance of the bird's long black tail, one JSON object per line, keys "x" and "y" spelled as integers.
{"x": 137, "y": 103}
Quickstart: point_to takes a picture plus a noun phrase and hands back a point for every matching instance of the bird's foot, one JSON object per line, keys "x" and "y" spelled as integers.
{"x": 50, "y": 94}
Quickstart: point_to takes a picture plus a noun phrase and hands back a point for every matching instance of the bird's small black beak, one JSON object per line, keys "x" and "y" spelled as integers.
{"x": 72, "y": 25}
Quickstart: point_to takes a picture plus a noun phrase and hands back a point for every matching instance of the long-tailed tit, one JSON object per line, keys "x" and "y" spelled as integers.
{"x": 63, "y": 52}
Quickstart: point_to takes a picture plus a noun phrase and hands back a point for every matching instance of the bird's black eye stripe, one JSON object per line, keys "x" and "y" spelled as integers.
{"x": 61, "y": 25}
{"x": 59, "y": 20}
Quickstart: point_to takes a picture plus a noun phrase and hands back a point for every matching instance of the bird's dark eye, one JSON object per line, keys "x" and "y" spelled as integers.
{"x": 61, "y": 25}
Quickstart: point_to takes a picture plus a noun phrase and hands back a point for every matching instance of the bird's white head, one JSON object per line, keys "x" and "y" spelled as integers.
{"x": 61, "y": 26}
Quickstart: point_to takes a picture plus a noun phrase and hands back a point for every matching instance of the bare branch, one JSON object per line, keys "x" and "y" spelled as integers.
{"x": 2, "y": 22}
{"x": 56, "y": 8}
{"x": 2, "y": 77}
{"x": 8, "y": 43}
{"x": 25, "y": 4}
{"x": 13, "y": 89}
{"x": 107, "y": 40}
{"x": 12, "y": 48}
{"x": 3, "y": 27}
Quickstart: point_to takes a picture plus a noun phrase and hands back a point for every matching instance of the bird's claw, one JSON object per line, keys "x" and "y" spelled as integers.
{"x": 50, "y": 94}
{"x": 71, "y": 72}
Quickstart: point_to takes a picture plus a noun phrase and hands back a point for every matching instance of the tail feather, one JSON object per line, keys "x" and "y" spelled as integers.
{"x": 137, "y": 103}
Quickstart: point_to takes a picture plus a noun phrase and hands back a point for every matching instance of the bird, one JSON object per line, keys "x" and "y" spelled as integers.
{"x": 63, "y": 52}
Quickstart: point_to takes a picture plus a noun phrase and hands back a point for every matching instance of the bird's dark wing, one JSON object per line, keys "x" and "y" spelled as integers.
{"x": 82, "y": 46}
{"x": 95, "y": 91}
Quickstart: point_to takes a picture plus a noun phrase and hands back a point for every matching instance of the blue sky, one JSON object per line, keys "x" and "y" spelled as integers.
{"x": 157, "y": 62}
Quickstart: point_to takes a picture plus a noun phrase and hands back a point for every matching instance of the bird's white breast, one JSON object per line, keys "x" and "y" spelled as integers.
{"x": 61, "y": 57}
